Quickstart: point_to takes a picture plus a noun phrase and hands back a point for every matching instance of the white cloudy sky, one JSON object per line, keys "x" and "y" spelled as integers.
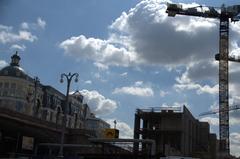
{"x": 129, "y": 55}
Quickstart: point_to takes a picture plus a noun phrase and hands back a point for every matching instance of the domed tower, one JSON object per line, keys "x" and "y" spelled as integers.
{"x": 14, "y": 69}
{"x": 15, "y": 59}
{"x": 17, "y": 89}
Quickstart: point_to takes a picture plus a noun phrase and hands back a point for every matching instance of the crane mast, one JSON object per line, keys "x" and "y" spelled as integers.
{"x": 233, "y": 13}
{"x": 223, "y": 83}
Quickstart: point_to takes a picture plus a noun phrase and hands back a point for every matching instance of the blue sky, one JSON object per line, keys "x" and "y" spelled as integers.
{"x": 129, "y": 54}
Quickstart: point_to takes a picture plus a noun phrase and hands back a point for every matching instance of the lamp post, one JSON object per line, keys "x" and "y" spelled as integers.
{"x": 68, "y": 77}
{"x": 36, "y": 82}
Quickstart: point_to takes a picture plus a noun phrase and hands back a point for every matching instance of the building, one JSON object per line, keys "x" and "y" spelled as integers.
{"x": 32, "y": 114}
{"x": 96, "y": 124}
{"x": 176, "y": 132}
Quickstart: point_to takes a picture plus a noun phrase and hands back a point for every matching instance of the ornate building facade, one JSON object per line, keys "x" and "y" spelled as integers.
{"x": 31, "y": 109}
{"x": 22, "y": 93}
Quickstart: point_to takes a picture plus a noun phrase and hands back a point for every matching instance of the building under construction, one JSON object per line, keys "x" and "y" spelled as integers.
{"x": 175, "y": 131}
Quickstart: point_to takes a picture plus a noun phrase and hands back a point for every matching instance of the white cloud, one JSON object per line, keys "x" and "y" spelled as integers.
{"x": 41, "y": 23}
{"x": 25, "y": 35}
{"x": 235, "y": 143}
{"x": 135, "y": 90}
{"x": 214, "y": 106}
{"x": 198, "y": 71}
{"x": 199, "y": 88}
{"x": 3, "y": 63}
{"x": 99, "y": 104}
{"x": 134, "y": 40}
{"x": 18, "y": 47}
{"x": 7, "y": 36}
{"x": 138, "y": 83}
{"x": 207, "y": 70}
{"x": 163, "y": 93}
{"x": 194, "y": 25}
{"x": 155, "y": 44}
{"x": 124, "y": 74}
{"x": 6, "y": 28}
{"x": 99, "y": 77}
{"x": 25, "y": 25}
{"x": 100, "y": 66}
{"x": 234, "y": 120}
{"x": 211, "y": 120}
{"x": 100, "y": 51}
{"x": 125, "y": 131}
{"x": 176, "y": 104}
{"x": 88, "y": 82}
{"x": 215, "y": 120}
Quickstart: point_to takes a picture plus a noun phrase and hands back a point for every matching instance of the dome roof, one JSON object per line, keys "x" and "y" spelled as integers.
{"x": 14, "y": 70}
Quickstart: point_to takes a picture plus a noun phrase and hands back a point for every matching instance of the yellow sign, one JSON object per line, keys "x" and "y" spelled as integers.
{"x": 111, "y": 133}
{"x": 27, "y": 143}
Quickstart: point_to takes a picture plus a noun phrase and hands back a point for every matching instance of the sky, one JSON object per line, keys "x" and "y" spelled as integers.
{"x": 129, "y": 54}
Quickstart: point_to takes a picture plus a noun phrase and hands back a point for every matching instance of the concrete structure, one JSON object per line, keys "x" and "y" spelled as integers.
{"x": 175, "y": 131}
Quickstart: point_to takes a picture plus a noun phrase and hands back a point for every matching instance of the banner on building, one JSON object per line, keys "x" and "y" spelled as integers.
{"x": 27, "y": 143}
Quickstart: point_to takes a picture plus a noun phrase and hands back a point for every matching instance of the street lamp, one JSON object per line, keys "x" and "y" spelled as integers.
{"x": 69, "y": 77}
{"x": 36, "y": 82}
{"x": 35, "y": 107}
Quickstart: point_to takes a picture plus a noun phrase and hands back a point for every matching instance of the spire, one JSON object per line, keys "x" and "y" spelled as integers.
{"x": 15, "y": 59}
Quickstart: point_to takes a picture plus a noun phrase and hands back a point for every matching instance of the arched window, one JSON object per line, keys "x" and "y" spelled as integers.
{"x": 69, "y": 122}
{"x": 37, "y": 108}
{"x": 58, "y": 115}
{"x": 75, "y": 123}
{"x": 80, "y": 125}
{"x": 70, "y": 108}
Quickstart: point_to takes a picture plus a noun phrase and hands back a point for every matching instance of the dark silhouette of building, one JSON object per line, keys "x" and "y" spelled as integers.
{"x": 31, "y": 114}
{"x": 175, "y": 131}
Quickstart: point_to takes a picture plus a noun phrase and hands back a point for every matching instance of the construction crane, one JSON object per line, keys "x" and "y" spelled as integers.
{"x": 216, "y": 111}
{"x": 225, "y": 14}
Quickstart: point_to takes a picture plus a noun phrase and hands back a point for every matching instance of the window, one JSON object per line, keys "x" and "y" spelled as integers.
{"x": 70, "y": 123}
{"x": 18, "y": 73}
{"x": 13, "y": 89}
{"x": 51, "y": 116}
{"x": 12, "y": 92}
{"x": 13, "y": 85}
{"x": 5, "y": 93}
{"x": 58, "y": 115}
{"x": 5, "y": 72}
{"x": 37, "y": 108}
{"x": 6, "y": 85}
{"x": 75, "y": 123}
